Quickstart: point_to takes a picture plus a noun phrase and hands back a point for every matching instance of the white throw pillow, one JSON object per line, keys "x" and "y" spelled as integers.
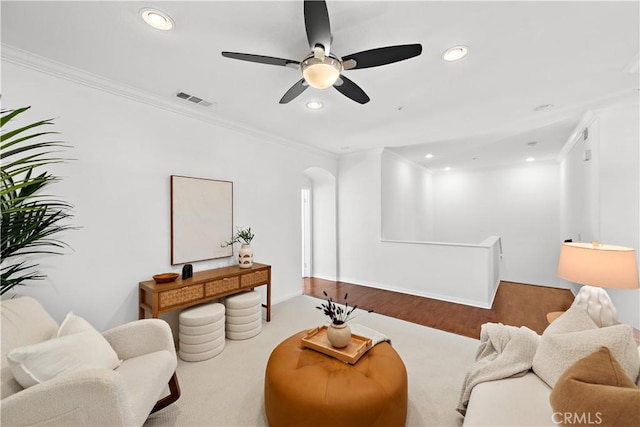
{"x": 78, "y": 347}
{"x": 574, "y": 336}
{"x": 73, "y": 324}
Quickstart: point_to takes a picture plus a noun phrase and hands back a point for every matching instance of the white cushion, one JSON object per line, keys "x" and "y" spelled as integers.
{"x": 202, "y": 315}
{"x": 200, "y": 339}
{"x": 515, "y": 401}
{"x": 78, "y": 347}
{"x": 235, "y": 312}
{"x": 244, "y": 327}
{"x": 198, "y": 357}
{"x": 73, "y": 324}
{"x": 216, "y": 326}
{"x": 244, "y": 300}
{"x": 244, "y": 335}
{"x": 574, "y": 336}
{"x": 204, "y": 347}
{"x": 243, "y": 320}
{"x": 146, "y": 377}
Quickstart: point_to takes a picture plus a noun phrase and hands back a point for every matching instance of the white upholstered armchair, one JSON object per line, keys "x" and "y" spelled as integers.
{"x": 124, "y": 396}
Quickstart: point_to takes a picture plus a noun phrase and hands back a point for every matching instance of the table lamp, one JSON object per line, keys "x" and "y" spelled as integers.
{"x": 598, "y": 266}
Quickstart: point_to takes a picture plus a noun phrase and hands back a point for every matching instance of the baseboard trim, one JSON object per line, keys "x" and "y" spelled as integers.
{"x": 331, "y": 278}
{"x": 283, "y": 298}
{"x": 446, "y": 298}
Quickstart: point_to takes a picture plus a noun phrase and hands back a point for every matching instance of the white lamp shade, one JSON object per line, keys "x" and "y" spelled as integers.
{"x": 606, "y": 266}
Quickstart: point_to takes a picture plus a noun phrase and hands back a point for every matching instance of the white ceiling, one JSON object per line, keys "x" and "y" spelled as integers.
{"x": 574, "y": 55}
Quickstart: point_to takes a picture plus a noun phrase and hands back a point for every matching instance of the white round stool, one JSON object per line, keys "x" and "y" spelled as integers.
{"x": 243, "y": 315}
{"x": 202, "y": 332}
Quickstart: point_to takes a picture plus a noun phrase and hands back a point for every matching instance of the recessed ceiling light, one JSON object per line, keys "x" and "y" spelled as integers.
{"x": 543, "y": 107}
{"x": 530, "y": 159}
{"x": 314, "y": 105}
{"x": 428, "y": 156}
{"x": 157, "y": 19}
{"x": 455, "y": 53}
{"x": 447, "y": 168}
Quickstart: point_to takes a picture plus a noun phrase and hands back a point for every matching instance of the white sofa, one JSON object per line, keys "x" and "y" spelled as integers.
{"x": 525, "y": 400}
{"x": 521, "y": 401}
{"x": 121, "y": 397}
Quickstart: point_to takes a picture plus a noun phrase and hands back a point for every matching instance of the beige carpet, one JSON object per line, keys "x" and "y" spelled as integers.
{"x": 228, "y": 389}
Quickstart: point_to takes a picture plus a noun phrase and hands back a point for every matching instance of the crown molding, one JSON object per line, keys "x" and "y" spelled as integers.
{"x": 78, "y": 76}
{"x": 587, "y": 120}
{"x": 389, "y": 150}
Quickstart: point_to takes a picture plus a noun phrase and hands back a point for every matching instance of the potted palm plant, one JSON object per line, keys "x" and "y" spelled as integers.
{"x": 31, "y": 219}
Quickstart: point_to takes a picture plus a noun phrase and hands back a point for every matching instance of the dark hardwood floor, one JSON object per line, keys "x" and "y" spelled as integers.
{"x": 515, "y": 304}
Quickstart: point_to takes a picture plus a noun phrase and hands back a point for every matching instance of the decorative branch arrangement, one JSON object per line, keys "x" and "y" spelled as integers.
{"x": 243, "y": 236}
{"x": 338, "y": 314}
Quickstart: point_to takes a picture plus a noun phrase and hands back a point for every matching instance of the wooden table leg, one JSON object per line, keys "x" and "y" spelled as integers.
{"x": 141, "y": 314}
{"x": 269, "y": 298}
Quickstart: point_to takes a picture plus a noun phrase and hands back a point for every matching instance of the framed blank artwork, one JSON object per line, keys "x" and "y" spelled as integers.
{"x": 201, "y": 219}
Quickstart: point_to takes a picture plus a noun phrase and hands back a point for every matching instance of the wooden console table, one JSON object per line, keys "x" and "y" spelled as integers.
{"x": 156, "y": 298}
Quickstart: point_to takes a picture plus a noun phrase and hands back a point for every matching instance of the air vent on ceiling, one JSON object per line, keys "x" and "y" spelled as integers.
{"x": 194, "y": 99}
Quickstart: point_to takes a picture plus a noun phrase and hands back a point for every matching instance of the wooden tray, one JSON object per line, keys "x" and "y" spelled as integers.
{"x": 316, "y": 339}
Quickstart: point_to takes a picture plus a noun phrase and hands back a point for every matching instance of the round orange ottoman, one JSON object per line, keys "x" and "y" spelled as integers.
{"x": 303, "y": 387}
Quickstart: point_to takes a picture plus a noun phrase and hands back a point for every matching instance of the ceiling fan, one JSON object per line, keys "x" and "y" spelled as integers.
{"x": 321, "y": 68}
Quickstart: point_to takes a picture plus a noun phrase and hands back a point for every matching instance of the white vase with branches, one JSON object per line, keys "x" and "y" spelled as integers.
{"x": 245, "y": 254}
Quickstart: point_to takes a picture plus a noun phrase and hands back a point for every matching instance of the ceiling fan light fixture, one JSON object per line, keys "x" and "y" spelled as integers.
{"x": 321, "y": 73}
{"x": 455, "y": 53}
{"x": 157, "y": 19}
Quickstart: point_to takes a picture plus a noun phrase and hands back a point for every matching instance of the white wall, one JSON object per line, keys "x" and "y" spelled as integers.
{"x": 407, "y": 200}
{"x": 619, "y": 145}
{"x": 453, "y": 272}
{"x": 600, "y": 197}
{"x": 125, "y": 152}
{"x": 358, "y": 214}
{"x": 323, "y": 224}
{"x": 579, "y": 188}
{"x": 520, "y": 204}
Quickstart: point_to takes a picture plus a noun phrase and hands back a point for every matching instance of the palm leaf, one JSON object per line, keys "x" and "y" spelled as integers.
{"x": 6, "y": 115}
{"x": 31, "y": 220}
{"x": 12, "y": 133}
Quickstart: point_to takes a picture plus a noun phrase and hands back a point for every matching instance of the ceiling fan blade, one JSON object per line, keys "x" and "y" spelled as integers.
{"x": 259, "y": 58}
{"x": 294, "y": 91}
{"x": 351, "y": 90}
{"x": 316, "y": 21}
{"x": 382, "y": 56}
